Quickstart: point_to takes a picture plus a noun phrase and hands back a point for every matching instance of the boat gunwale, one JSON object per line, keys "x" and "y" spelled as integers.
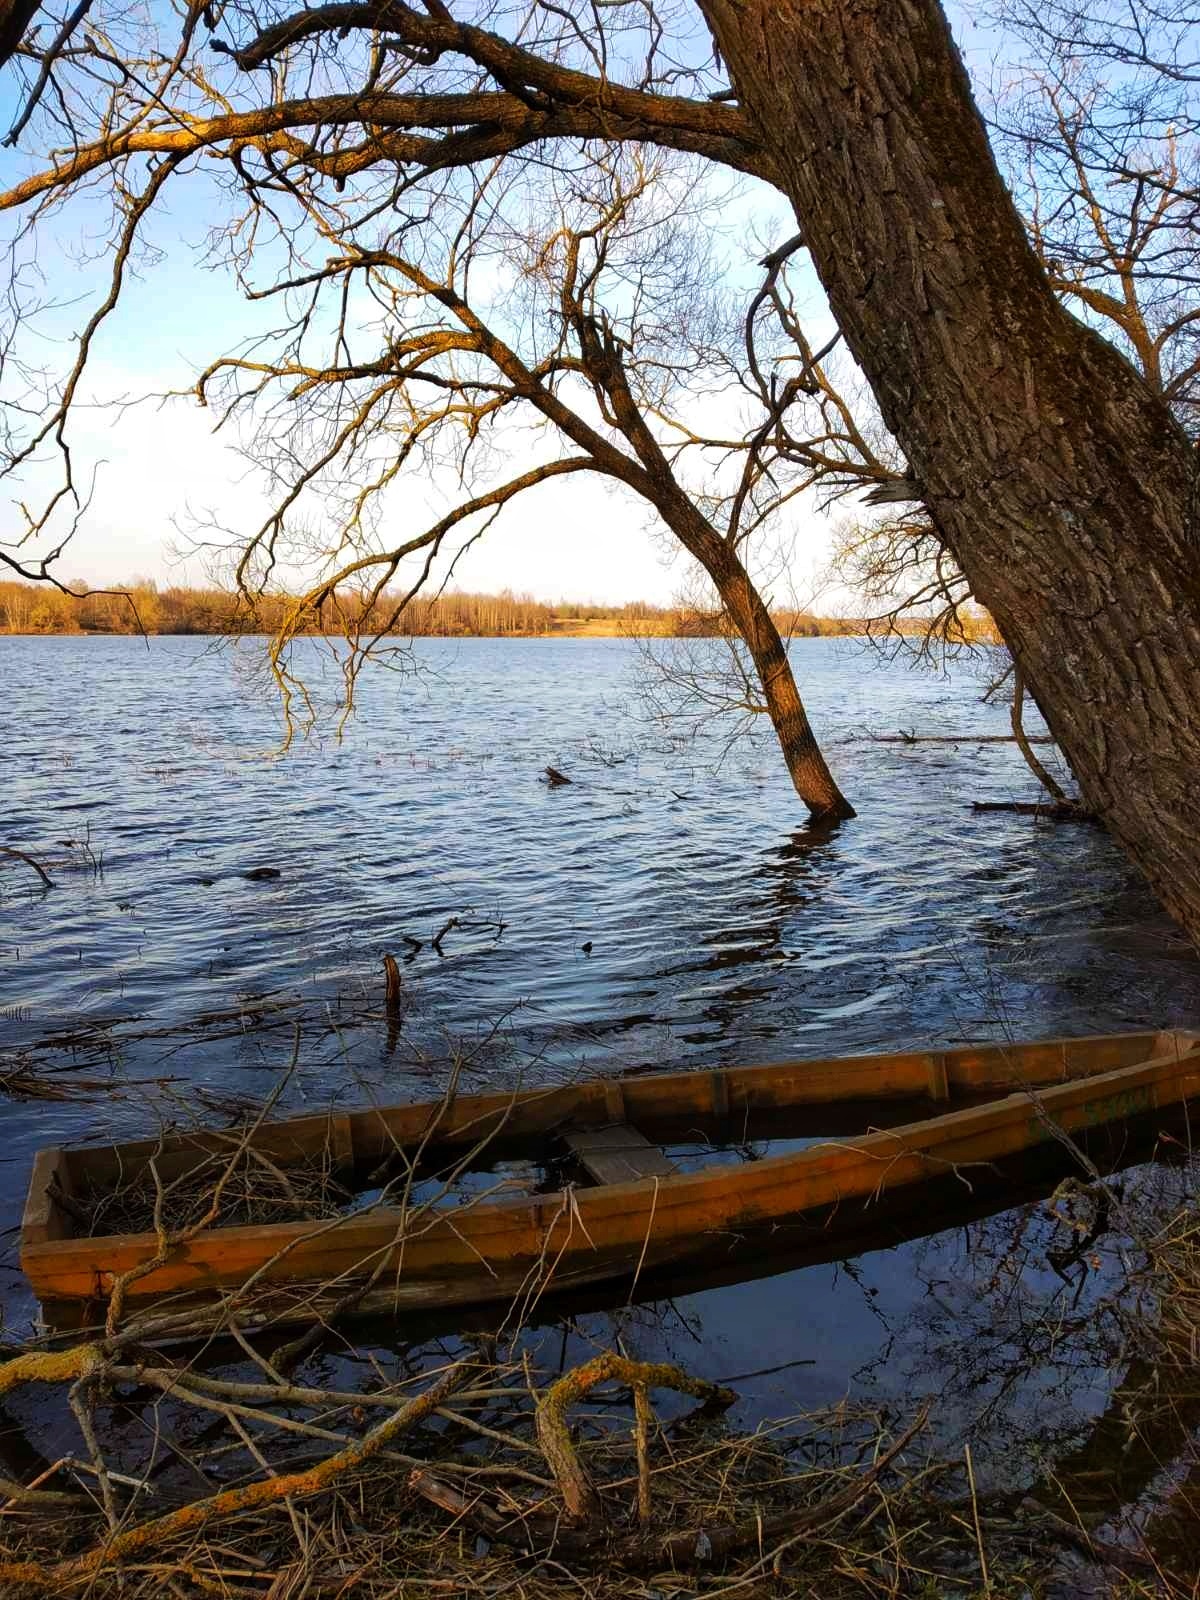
{"x": 610, "y": 1092}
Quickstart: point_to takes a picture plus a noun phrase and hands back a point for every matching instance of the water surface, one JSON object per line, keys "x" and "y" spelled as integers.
{"x": 662, "y": 910}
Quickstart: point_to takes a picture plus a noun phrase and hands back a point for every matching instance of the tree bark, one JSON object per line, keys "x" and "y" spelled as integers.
{"x": 15, "y": 17}
{"x": 1062, "y": 485}
{"x": 806, "y": 765}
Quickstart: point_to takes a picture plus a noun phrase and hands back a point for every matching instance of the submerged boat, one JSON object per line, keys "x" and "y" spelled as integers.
{"x": 613, "y": 1178}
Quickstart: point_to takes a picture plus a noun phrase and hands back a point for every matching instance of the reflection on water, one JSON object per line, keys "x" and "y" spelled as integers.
{"x": 654, "y": 913}
{"x": 1060, "y": 1376}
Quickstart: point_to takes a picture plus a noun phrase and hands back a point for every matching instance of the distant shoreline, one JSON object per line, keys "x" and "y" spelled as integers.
{"x": 584, "y": 631}
{"x": 31, "y": 610}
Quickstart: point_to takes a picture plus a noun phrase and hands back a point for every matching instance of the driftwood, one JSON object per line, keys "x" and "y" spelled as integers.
{"x": 578, "y": 1492}
{"x": 51, "y": 1366}
{"x": 955, "y": 738}
{"x": 555, "y": 779}
{"x": 1044, "y": 1521}
{"x": 190, "y": 1519}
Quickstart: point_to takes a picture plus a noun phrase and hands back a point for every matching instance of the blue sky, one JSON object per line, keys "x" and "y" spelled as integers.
{"x": 160, "y": 469}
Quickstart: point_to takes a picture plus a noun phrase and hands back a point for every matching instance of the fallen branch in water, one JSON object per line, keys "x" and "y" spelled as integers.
{"x": 954, "y": 738}
{"x": 1053, "y": 810}
{"x": 22, "y": 1081}
{"x": 192, "y": 1518}
{"x": 51, "y": 1366}
{"x": 1045, "y": 1522}
{"x": 44, "y": 1499}
{"x": 19, "y": 855}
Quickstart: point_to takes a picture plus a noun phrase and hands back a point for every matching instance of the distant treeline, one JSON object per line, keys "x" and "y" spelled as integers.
{"x": 39, "y": 608}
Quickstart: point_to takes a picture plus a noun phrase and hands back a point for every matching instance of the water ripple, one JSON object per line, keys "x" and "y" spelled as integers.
{"x": 658, "y": 910}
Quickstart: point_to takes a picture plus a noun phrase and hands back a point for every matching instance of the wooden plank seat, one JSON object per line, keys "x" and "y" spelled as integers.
{"x": 617, "y": 1154}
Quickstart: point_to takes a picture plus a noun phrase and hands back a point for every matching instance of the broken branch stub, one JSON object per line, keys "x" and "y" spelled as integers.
{"x": 392, "y": 984}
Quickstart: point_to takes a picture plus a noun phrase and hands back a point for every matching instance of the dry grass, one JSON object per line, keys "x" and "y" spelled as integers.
{"x": 255, "y": 1191}
{"x": 488, "y": 1477}
{"x": 1174, "y": 1256}
{"x": 22, "y": 1078}
{"x": 683, "y": 1506}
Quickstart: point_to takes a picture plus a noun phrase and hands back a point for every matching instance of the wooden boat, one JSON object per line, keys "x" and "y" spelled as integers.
{"x": 619, "y": 1196}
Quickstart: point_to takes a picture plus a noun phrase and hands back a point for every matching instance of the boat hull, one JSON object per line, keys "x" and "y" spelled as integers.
{"x": 515, "y": 1249}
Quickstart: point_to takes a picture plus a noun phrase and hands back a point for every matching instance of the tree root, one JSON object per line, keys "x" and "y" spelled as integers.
{"x": 578, "y": 1492}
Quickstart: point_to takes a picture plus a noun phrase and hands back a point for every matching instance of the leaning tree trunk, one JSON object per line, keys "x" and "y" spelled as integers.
{"x": 1063, "y": 486}
{"x": 748, "y": 612}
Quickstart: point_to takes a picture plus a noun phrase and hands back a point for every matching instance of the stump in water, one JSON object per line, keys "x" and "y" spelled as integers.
{"x": 392, "y": 982}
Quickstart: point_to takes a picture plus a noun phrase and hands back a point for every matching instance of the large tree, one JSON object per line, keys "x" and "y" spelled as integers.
{"x": 1058, "y": 479}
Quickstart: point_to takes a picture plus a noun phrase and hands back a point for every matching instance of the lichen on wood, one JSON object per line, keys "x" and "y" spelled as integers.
{"x": 578, "y": 1492}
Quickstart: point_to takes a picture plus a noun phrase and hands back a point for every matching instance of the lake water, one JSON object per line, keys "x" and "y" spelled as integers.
{"x": 665, "y": 909}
